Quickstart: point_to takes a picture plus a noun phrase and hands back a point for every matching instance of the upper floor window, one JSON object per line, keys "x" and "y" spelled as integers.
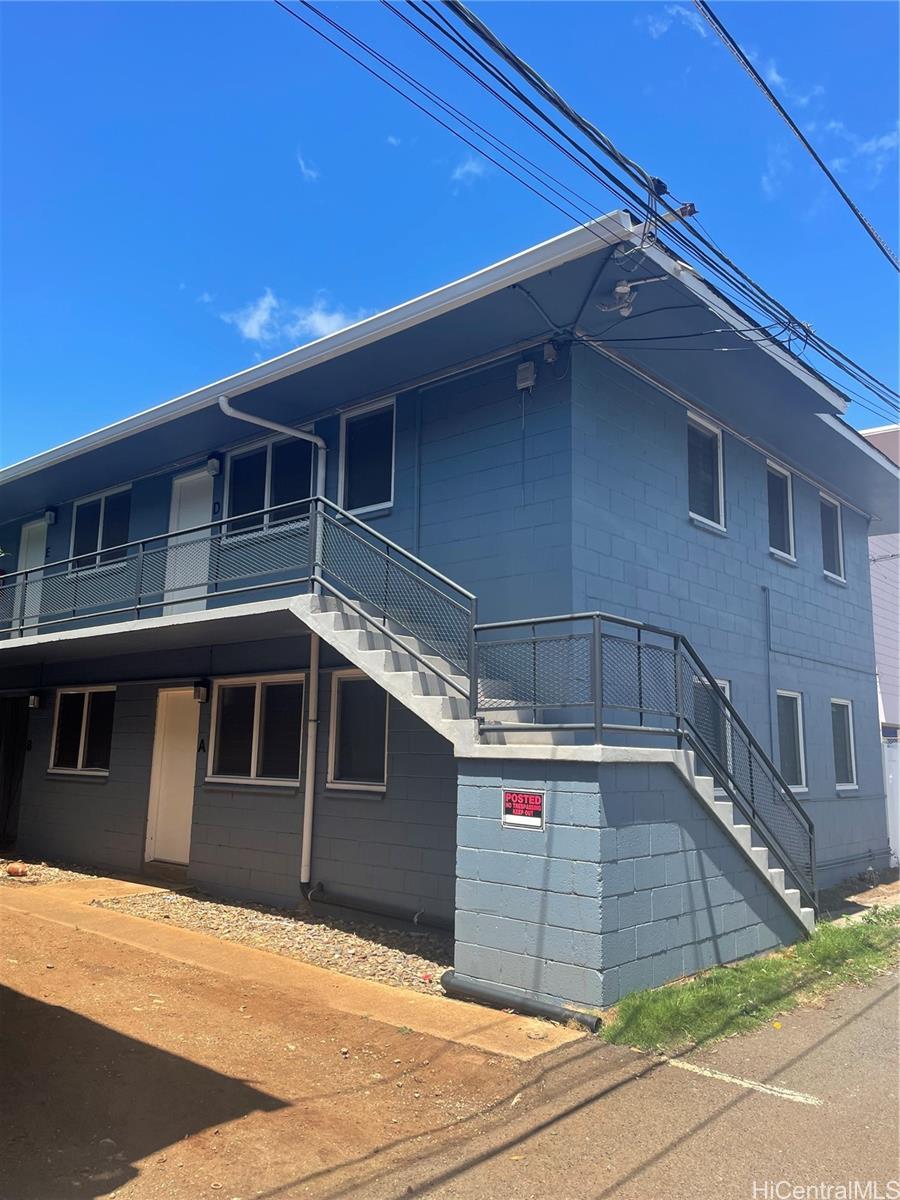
{"x": 357, "y": 750}
{"x": 706, "y": 497}
{"x": 832, "y": 537}
{"x": 100, "y": 527}
{"x": 844, "y": 748}
{"x": 256, "y": 728}
{"x": 781, "y": 511}
{"x": 367, "y": 458}
{"x": 790, "y": 740}
{"x": 82, "y": 730}
{"x": 265, "y": 477}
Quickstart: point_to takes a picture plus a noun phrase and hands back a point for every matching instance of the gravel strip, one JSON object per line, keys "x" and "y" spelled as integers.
{"x": 41, "y": 873}
{"x": 408, "y": 958}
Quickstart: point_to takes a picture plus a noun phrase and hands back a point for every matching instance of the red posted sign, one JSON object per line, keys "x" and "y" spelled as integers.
{"x": 523, "y": 809}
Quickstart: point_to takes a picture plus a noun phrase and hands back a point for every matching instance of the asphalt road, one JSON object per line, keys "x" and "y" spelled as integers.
{"x": 130, "y": 1074}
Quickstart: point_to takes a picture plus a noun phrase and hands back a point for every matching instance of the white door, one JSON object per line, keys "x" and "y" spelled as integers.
{"x": 187, "y": 557}
{"x": 172, "y": 776}
{"x": 32, "y": 553}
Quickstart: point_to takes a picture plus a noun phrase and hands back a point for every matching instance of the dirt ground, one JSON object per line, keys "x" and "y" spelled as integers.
{"x": 130, "y": 1073}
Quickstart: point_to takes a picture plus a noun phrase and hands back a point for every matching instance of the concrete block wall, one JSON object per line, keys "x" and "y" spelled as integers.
{"x": 631, "y": 883}
{"x": 97, "y": 820}
{"x": 757, "y": 621}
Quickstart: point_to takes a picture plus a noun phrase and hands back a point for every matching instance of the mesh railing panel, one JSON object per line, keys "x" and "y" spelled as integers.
{"x": 535, "y": 673}
{"x": 370, "y": 575}
{"x": 638, "y": 676}
{"x": 743, "y": 769}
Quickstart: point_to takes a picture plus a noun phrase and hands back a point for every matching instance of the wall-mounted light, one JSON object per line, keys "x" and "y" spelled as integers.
{"x": 214, "y": 465}
{"x": 201, "y": 693}
{"x": 525, "y": 376}
{"x": 34, "y": 700}
{"x": 49, "y": 516}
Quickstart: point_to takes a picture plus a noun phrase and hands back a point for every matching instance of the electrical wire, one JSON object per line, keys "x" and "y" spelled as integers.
{"x": 532, "y": 169}
{"x": 716, "y": 25}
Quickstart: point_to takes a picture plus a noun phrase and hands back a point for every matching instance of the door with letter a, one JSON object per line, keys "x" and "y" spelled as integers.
{"x": 172, "y": 775}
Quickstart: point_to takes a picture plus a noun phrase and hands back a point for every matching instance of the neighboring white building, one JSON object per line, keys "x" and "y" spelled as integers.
{"x": 884, "y": 557}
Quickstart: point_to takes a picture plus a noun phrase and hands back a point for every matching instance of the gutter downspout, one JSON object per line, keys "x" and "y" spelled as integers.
{"x": 288, "y": 430}
{"x": 309, "y": 790}
{"x": 312, "y": 716}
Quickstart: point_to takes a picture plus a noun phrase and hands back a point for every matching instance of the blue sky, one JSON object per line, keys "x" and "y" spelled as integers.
{"x": 189, "y": 188}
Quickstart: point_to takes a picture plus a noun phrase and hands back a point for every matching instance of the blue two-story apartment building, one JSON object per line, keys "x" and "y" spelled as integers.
{"x": 538, "y": 606}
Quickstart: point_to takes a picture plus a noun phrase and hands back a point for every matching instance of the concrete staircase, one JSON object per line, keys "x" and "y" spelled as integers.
{"x": 724, "y": 812}
{"x": 436, "y": 691}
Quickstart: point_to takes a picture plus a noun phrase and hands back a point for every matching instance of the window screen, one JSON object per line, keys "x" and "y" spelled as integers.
{"x": 69, "y": 715}
{"x": 247, "y": 488}
{"x": 790, "y": 743}
{"x": 116, "y": 521}
{"x": 291, "y": 476}
{"x": 832, "y": 559}
{"x": 280, "y": 731}
{"x": 98, "y": 734}
{"x": 87, "y": 532}
{"x": 234, "y": 730}
{"x": 842, "y": 736}
{"x": 703, "y": 473}
{"x": 359, "y": 732}
{"x": 780, "y": 513}
{"x": 369, "y": 459}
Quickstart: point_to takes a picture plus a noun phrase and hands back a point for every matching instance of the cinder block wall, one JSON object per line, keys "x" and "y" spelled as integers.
{"x": 630, "y": 884}
{"x": 83, "y": 819}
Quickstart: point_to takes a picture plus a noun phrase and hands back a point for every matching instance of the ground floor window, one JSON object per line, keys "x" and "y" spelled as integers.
{"x": 82, "y": 730}
{"x": 257, "y": 728}
{"x": 790, "y": 739}
{"x": 842, "y": 738}
{"x": 357, "y": 751}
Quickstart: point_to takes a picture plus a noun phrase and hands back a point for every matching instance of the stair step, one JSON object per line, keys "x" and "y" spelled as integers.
{"x": 792, "y": 896}
{"x": 743, "y": 835}
{"x": 725, "y": 809}
{"x": 776, "y": 874}
{"x": 760, "y": 856}
{"x": 808, "y": 917}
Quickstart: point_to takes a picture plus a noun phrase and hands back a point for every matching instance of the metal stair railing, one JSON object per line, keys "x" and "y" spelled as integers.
{"x": 608, "y": 675}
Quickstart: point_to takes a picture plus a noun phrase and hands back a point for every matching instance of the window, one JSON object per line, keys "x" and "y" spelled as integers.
{"x": 82, "y": 730}
{"x": 257, "y": 728}
{"x": 357, "y": 751}
{"x": 844, "y": 748}
{"x": 781, "y": 511}
{"x": 705, "y": 492}
{"x": 832, "y": 538}
{"x": 367, "y": 458}
{"x": 99, "y": 523}
{"x": 265, "y": 477}
{"x": 790, "y": 740}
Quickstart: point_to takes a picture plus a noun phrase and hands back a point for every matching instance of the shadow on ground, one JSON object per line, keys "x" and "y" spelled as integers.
{"x": 81, "y": 1104}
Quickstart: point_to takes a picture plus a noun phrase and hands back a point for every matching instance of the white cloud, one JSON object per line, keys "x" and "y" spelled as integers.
{"x": 205, "y": 298}
{"x": 659, "y": 23}
{"x": 773, "y": 76}
{"x": 269, "y": 320}
{"x": 468, "y": 170}
{"x": 798, "y": 96}
{"x": 256, "y": 320}
{"x": 307, "y": 170}
{"x": 870, "y": 156}
{"x": 393, "y": 140}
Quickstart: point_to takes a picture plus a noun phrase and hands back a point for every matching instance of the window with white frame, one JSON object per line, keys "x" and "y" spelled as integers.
{"x": 266, "y": 476}
{"x": 706, "y": 496}
{"x": 257, "y": 728}
{"x": 357, "y": 749}
{"x": 367, "y": 458}
{"x": 832, "y": 537}
{"x": 82, "y": 730}
{"x": 843, "y": 742}
{"x": 100, "y": 527}
{"x": 790, "y": 739}
{"x": 781, "y": 510}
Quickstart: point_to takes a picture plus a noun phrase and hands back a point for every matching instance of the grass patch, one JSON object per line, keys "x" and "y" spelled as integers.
{"x": 733, "y": 999}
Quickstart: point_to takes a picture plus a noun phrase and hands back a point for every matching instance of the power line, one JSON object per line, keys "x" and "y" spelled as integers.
{"x": 751, "y": 70}
{"x": 518, "y": 160}
{"x": 738, "y": 278}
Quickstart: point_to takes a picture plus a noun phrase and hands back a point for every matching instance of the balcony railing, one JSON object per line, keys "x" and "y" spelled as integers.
{"x": 614, "y": 678}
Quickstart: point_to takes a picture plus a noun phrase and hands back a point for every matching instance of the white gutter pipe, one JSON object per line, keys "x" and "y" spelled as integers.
{"x": 312, "y": 715}
{"x": 312, "y": 734}
{"x": 288, "y": 431}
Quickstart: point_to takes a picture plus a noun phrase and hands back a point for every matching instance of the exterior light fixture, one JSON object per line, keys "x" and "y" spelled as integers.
{"x": 214, "y": 465}
{"x": 201, "y": 692}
